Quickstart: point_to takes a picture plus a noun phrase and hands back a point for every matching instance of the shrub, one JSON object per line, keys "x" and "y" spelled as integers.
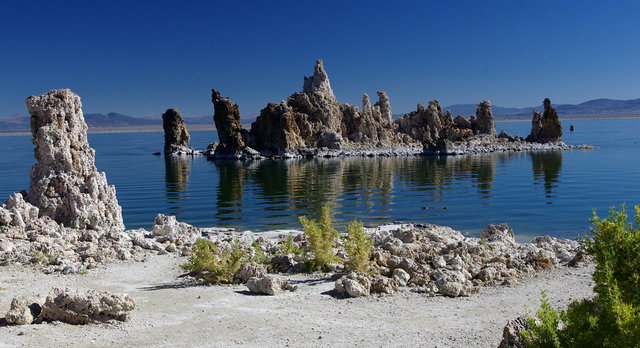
{"x": 213, "y": 265}
{"x": 544, "y": 333}
{"x": 358, "y": 247}
{"x": 259, "y": 256}
{"x": 42, "y": 258}
{"x": 321, "y": 237}
{"x": 612, "y": 318}
{"x": 288, "y": 247}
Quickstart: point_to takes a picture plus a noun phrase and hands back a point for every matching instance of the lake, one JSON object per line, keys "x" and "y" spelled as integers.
{"x": 536, "y": 193}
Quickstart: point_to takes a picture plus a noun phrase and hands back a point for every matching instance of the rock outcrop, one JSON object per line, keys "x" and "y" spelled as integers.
{"x": 310, "y": 122}
{"x": 439, "y": 260}
{"x": 313, "y": 123}
{"x": 178, "y": 234}
{"x": 512, "y": 333}
{"x": 484, "y": 122}
{"x": 353, "y": 284}
{"x": 250, "y": 270}
{"x": 269, "y": 286}
{"x": 233, "y": 139}
{"x": 23, "y": 311}
{"x": 70, "y": 306}
{"x": 65, "y": 184}
{"x": 426, "y": 125}
{"x": 434, "y": 128}
{"x": 77, "y": 307}
{"x": 176, "y": 136}
{"x": 72, "y": 221}
{"x": 385, "y": 106}
{"x": 546, "y": 127}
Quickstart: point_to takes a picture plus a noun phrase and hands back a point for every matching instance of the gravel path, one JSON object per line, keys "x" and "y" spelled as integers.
{"x": 172, "y": 313}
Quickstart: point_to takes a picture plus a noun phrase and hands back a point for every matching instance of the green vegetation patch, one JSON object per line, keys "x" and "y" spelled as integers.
{"x": 612, "y": 318}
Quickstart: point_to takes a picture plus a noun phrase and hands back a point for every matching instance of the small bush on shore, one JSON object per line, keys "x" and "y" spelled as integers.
{"x": 321, "y": 237}
{"x": 288, "y": 247}
{"x": 259, "y": 256}
{"x": 612, "y": 318}
{"x": 213, "y": 265}
{"x": 358, "y": 247}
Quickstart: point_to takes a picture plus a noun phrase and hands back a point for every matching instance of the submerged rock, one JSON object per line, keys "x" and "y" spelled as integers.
{"x": 545, "y": 128}
{"x": 65, "y": 184}
{"x": 176, "y": 136}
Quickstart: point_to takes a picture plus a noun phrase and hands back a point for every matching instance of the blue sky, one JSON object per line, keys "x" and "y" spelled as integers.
{"x": 142, "y": 57}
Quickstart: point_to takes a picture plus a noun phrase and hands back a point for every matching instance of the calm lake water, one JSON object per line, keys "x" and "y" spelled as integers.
{"x": 536, "y": 193}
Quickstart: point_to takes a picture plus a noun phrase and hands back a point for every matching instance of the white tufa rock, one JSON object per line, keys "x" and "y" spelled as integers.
{"x": 167, "y": 228}
{"x": 77, "y": 307}
{"x": 65, "y": 184}
{"x": 269, "y": 286}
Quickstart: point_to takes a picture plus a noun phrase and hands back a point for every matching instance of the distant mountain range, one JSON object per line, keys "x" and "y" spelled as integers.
{"x": 21, "y": 123}
{"x": 605, "y": 108}
{"x": 597, "y": 108}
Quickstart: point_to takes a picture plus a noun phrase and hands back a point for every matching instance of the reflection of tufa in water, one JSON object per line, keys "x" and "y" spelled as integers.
{"x": 547, "y": 166}
{"x": 177, "y": 170}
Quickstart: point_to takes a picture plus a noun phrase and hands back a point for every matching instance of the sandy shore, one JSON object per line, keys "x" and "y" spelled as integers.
{"x": 173, "y": 312}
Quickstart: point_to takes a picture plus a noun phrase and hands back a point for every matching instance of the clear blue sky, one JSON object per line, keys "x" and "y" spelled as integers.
{"x": 141, "y": 57}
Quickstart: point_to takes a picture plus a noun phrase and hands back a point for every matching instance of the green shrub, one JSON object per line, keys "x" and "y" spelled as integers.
{"x": 42, "y": 258}
{"x": 545, "y": 333}
{"x": 259, "y": 256}
{"x": 321, "y": 238}
{"x": 612, "y": 318}
{"x": 288, "y": 247}
{"x": 358, "y": 247}
{"x": 214, "y": 265}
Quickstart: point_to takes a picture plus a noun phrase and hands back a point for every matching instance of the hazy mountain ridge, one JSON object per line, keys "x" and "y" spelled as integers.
{"x": 592, "y": 108}
{"x": 606, "y": 108}
{"x": 21, "y": 123}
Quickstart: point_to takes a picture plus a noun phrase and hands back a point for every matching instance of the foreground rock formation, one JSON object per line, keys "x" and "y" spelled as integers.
{"x": 512, "y": 333}
{"x": 70, "y": 219}
{"x": 546, "y": 127}
{"x": 313, "y": 123}
{"x": 440, "y": 260}
{"x": 65, "y": 184}
{"x": 428, "y": 259}
{"x": 70, "y": 306}
{"x": 176, "y": 136}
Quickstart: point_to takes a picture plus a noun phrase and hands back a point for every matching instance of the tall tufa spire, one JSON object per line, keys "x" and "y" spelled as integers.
{"x": 318, "y": 84}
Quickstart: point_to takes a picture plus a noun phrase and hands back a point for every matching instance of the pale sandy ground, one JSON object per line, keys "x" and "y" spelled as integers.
{"x": 171, "y": 313}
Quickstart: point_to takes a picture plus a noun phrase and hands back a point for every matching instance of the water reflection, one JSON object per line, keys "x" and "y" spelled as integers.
{"x": 177, "y": 170}
{"x": 282, "y": 189}
{"x": 546, "y": 169}
{"x": 232, "y": 175}
{"x": 377, "y": 190}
